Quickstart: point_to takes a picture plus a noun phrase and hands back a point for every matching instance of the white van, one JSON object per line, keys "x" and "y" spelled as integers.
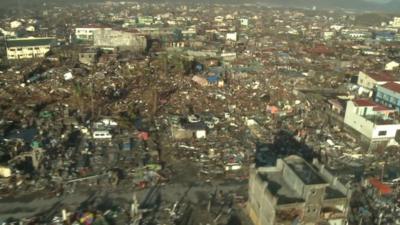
{"x": 102, "y": 135}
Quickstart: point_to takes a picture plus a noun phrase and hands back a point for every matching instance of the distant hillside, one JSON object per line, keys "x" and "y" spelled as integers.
{"x": 369, "y": 5}
{"x": 342, "y": 4}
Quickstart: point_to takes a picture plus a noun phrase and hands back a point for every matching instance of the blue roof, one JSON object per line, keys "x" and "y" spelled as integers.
{"x": 213, "y": 79}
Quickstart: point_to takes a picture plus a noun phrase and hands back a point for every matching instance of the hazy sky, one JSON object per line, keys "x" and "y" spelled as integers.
{"x": 380, "y": 1}
{"x": 371, "y": 5}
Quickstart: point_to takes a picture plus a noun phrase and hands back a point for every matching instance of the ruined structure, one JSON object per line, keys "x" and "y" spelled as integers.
{"x": 119, "y": 39}
{"x": 294, "y": 192}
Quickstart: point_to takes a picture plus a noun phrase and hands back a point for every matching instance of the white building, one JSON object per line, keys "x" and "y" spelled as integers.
{"x": 368, "y": 81}
{"x": 26, "y": 48}
{"x": 374, "y": 121}
{"x": 30, "y": 28}
{"x": 391, "y": 65}
{"x": 231, "y": 36}
{"x": 228, "y": 56}
{"x": 15, "y": 24}
{"x": 244, "y": 22}
{"x": 7, "y": 33}
{"x": 86, "y": 33}
{"x": 328, "y": 35}
{"x": 396, "y": 22}
{"x": 219, "y": 19}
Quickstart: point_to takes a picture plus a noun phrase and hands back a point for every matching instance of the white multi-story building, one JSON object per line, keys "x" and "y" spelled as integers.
{"x": 396, "y": 22}
{"x": 86, "y": 33}
{"x": 373, "y": 121}
{"x": 26, "y": 48}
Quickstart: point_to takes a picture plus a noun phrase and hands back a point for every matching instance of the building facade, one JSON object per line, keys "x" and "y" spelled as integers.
{"x": 389, "y": 95}
{"x": 86, "y": 33}
{"x": 105, "y": 38}
{"x": 295, "y": 192}
{"x": 368, "y": 81}
{"x": 396, "y": 22}
{"x": 27, "y": 48}
{"x": 372, "y": 120}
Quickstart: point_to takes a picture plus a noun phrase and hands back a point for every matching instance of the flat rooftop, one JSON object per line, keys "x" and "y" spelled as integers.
{"x": 280, "y": 189}
{"x": 28, "y": 42}
{"x": 304, "y": 171}
{"x": 333, "y": 193}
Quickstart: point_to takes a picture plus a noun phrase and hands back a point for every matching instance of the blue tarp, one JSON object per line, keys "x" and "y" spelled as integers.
{"x": 213, "y": 79}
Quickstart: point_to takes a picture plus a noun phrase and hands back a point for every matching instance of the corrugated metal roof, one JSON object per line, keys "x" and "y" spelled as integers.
{"x": 25, "y": 42}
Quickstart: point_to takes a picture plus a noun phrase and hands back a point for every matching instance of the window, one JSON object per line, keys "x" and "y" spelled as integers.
{"x": 19, "y": 49}
{"x": 382, "y": 133}
{"x": 30, "y": 49}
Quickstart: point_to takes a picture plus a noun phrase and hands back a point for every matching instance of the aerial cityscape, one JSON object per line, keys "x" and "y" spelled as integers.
{"x": 200, "y": 112}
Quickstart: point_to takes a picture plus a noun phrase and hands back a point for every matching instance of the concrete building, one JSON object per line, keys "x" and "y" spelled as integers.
{"x": 89, "y": 56}
{"x": 86, "y": 33}
{"x": 26, "y": 48}
{"x": 369, "y": 81}
{"x": 232, "y": 36}
{"x": 375, "y": 122}
{"x": 296, "y": 192}
{"x": 244, "y": 22}
{"x": 396, "y": 22}
{"x": 15, "y": 24}
{"x": 145, "y": 20}
{"x": 389, "y": 94}
{"x": 392, "y": 65}
{"x": 357, "y": 34}
{"x": 111, "y": 39}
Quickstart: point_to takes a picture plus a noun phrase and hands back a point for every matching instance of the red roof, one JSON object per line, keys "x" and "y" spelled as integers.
{"x": 392, "y": 86}
{"x": 93, "y": 26}
{"x": 320, "y": 49}
{"x": 382, "y": 76}
{"x": 366, "y": 102}
{"x": 382, "y": 188}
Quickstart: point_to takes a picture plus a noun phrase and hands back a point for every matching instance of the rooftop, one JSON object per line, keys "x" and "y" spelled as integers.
{"x": 392, "y": 86}
{"x": 280, "y": 189}
{"x": 365, "y": 102}
{"x": 24, "y": 42}
{"x": 304, "y": 171}
{"x": 382, "y": 76}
